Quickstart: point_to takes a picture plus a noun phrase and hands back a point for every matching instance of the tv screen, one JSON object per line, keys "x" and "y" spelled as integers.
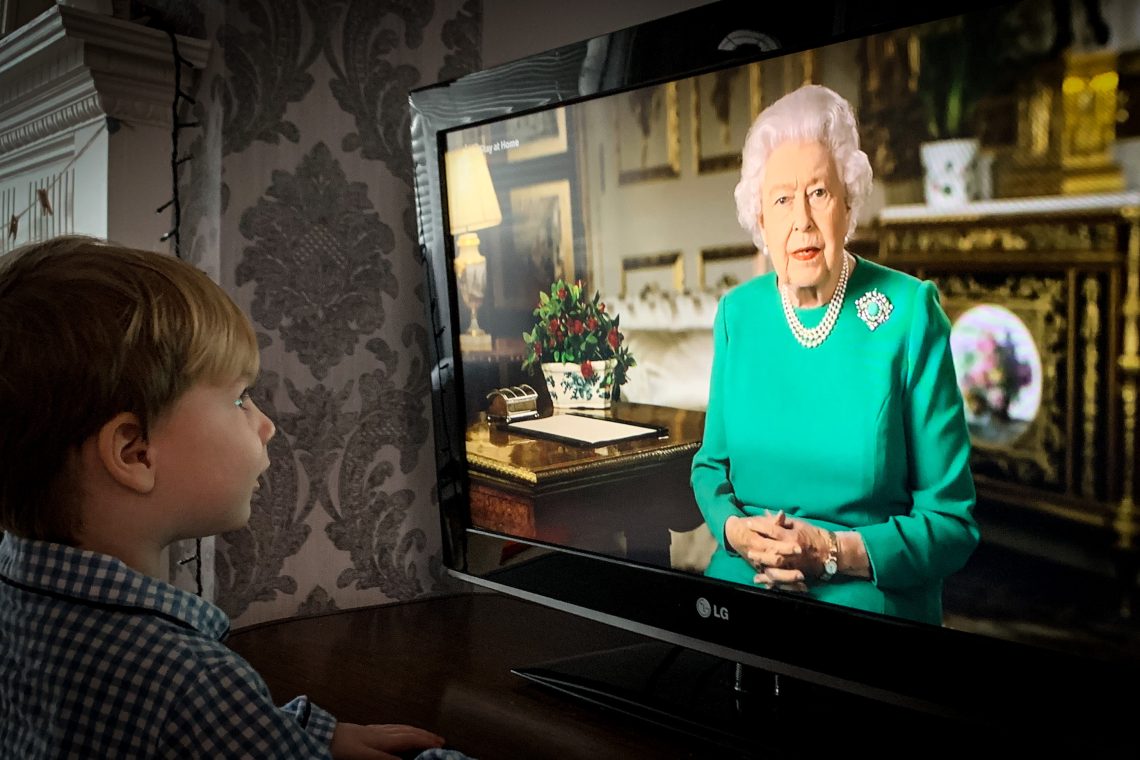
{"x": 620, "y": 364}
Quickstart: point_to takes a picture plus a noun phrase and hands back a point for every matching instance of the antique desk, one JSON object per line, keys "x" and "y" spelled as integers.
{"x": 621, "y": 498}
{"x": 1068, "y": 269}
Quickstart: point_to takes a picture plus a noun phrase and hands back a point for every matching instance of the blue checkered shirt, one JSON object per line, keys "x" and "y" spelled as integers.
{"x": 100, "y": 661}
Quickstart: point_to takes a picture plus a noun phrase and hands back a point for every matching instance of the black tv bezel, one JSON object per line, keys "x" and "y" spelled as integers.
{"x": 978, "y": 678}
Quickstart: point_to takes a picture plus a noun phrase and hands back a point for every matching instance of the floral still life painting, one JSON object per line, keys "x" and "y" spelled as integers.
{"x": 999, "y": 372}
{"x": 578, "y": 346}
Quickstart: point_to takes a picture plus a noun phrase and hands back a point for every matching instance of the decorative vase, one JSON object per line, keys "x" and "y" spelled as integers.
{"x": 571, "y": 388}
{"x": 951, "y": 172}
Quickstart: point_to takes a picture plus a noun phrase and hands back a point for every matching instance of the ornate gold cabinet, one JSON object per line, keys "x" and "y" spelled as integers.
{"x": 1063, "y": 273}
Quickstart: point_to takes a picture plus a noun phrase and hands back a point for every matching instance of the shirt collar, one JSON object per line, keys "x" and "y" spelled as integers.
{"x": 90, "y": 578}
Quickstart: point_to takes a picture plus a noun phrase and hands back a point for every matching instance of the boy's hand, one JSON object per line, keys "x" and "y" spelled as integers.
{"x": 352, "y": 741}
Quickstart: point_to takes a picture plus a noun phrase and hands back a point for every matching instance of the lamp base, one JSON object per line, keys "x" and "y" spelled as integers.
{"x": 469, "y": 342}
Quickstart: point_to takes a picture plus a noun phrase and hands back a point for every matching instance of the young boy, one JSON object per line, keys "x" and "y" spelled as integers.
{"x": 126, "y": 424}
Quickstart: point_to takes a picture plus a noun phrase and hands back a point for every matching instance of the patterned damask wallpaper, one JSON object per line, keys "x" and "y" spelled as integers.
{"x": 299, "y": 201}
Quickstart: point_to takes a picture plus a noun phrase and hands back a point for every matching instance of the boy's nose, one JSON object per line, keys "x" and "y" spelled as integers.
{"x": 268, "y": 429}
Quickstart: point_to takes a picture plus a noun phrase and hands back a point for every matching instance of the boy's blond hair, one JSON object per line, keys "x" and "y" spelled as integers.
{"x": 90, "y": 329}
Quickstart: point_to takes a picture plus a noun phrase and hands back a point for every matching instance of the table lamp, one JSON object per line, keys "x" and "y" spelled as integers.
{"x": 472, "y": 206}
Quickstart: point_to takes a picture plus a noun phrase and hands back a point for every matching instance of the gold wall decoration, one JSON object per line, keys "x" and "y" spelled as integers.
{"x": 648, "y": 134}
{"x": 1125, "y": 523}
{"x": 1066, "y": 129}
{"x": 1039, "y": 453}
{"x": 996, "y": 238}
{"x": 1129, "y": 115}
{"x": 1090, "y": 334}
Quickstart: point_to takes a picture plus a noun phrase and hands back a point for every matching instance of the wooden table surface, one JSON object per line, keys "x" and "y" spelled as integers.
{"x": 444, "y": 663}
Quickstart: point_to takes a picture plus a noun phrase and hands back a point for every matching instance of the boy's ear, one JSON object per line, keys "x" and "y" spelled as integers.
{"x": 124, "y": 453}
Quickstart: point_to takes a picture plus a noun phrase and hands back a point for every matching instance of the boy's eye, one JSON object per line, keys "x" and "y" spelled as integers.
{"x": 244, "y": 397}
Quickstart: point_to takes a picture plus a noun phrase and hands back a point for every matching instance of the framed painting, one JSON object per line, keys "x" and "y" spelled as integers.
{"x": 648, "y": 134}
{"x": 541, "y": 244}
{"x": 664, "y": 272}
{"x": 724, "y": 104}
{"x": 779, "y": 76}
{"x": 536, "y": 135}
{"x": 727, "y": 265}
{"x": 1008, "y": 340}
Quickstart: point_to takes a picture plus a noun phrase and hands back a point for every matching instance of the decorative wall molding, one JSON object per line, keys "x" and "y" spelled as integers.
{"x": 59, "y": 120}
{"x": 68, "y": 67}
{"x": 46, "y": 156}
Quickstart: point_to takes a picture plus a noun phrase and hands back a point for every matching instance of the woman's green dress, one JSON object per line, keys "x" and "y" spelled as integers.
{"x": 865, "y": 432}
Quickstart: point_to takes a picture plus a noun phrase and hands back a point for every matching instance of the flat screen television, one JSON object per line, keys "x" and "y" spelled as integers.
{"x": 610, "y": 165}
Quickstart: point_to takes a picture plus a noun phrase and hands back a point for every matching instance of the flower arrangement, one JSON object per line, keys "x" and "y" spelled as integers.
{"x": 572, "y": 328}
{"x": 994, "y": 376}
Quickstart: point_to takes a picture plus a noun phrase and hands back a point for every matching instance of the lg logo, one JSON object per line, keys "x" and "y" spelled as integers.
{"x": 705, "y": 609}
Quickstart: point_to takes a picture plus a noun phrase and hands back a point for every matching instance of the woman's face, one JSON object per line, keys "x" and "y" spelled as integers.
{"x": 803, "y": 215}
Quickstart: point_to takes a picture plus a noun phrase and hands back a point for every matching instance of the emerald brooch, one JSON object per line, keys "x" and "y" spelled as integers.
{"x": 873, "y": 308}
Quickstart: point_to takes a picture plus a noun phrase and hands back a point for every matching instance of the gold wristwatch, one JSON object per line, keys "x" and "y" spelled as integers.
{"x": 831, "y": 563}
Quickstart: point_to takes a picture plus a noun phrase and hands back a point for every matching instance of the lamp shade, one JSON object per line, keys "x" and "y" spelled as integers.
{"x": 471, "y": 201}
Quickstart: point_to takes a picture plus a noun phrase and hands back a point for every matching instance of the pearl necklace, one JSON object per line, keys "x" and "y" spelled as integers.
{"x": 818, "y": 334}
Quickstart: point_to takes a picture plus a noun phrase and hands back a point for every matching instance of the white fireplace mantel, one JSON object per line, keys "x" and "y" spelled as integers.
{"x": 61, "y": 76}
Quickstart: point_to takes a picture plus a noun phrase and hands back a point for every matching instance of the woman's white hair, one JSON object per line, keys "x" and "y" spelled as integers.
{"x": 812, "y": 113}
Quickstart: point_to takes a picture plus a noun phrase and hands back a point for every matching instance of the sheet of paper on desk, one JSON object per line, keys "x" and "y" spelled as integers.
{"x": 588, "y": 430}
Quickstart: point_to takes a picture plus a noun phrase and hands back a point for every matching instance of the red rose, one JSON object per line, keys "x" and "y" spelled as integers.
{"x": 613, "y": 338}
{"x": 538, "y": 350}
{"x": 587, "y": 370}
{"x": 602, "y": 308}
{"x": 577, "y": 327}
{"x": 591, "y": 324}
{"x": 561, "y": 293}
{"x": 554, "y": 325}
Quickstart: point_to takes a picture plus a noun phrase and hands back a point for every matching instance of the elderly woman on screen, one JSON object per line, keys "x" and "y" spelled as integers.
{"x": 835, "y": 460}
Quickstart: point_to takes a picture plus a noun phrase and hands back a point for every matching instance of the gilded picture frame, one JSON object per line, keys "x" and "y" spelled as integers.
{"x": 1037, "y": 452}
{"x": 726, "y": 265}
{"x": 779, "y": 76}
{"x": 541, "y": 243}
{"x": 538, "y": 134}
{"x": 648, "y": 134}
{"x": 724, "y": 105}
{"x": 661, "y": 271}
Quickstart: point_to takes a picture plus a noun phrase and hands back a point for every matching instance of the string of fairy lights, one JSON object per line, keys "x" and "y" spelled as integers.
{"x": 42, "y": 198}
{"x": 174, "y": 234}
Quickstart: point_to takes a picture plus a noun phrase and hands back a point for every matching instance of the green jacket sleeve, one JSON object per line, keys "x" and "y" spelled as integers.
{"x": 710, "y": 470}
{"x": 938, "y": 535}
